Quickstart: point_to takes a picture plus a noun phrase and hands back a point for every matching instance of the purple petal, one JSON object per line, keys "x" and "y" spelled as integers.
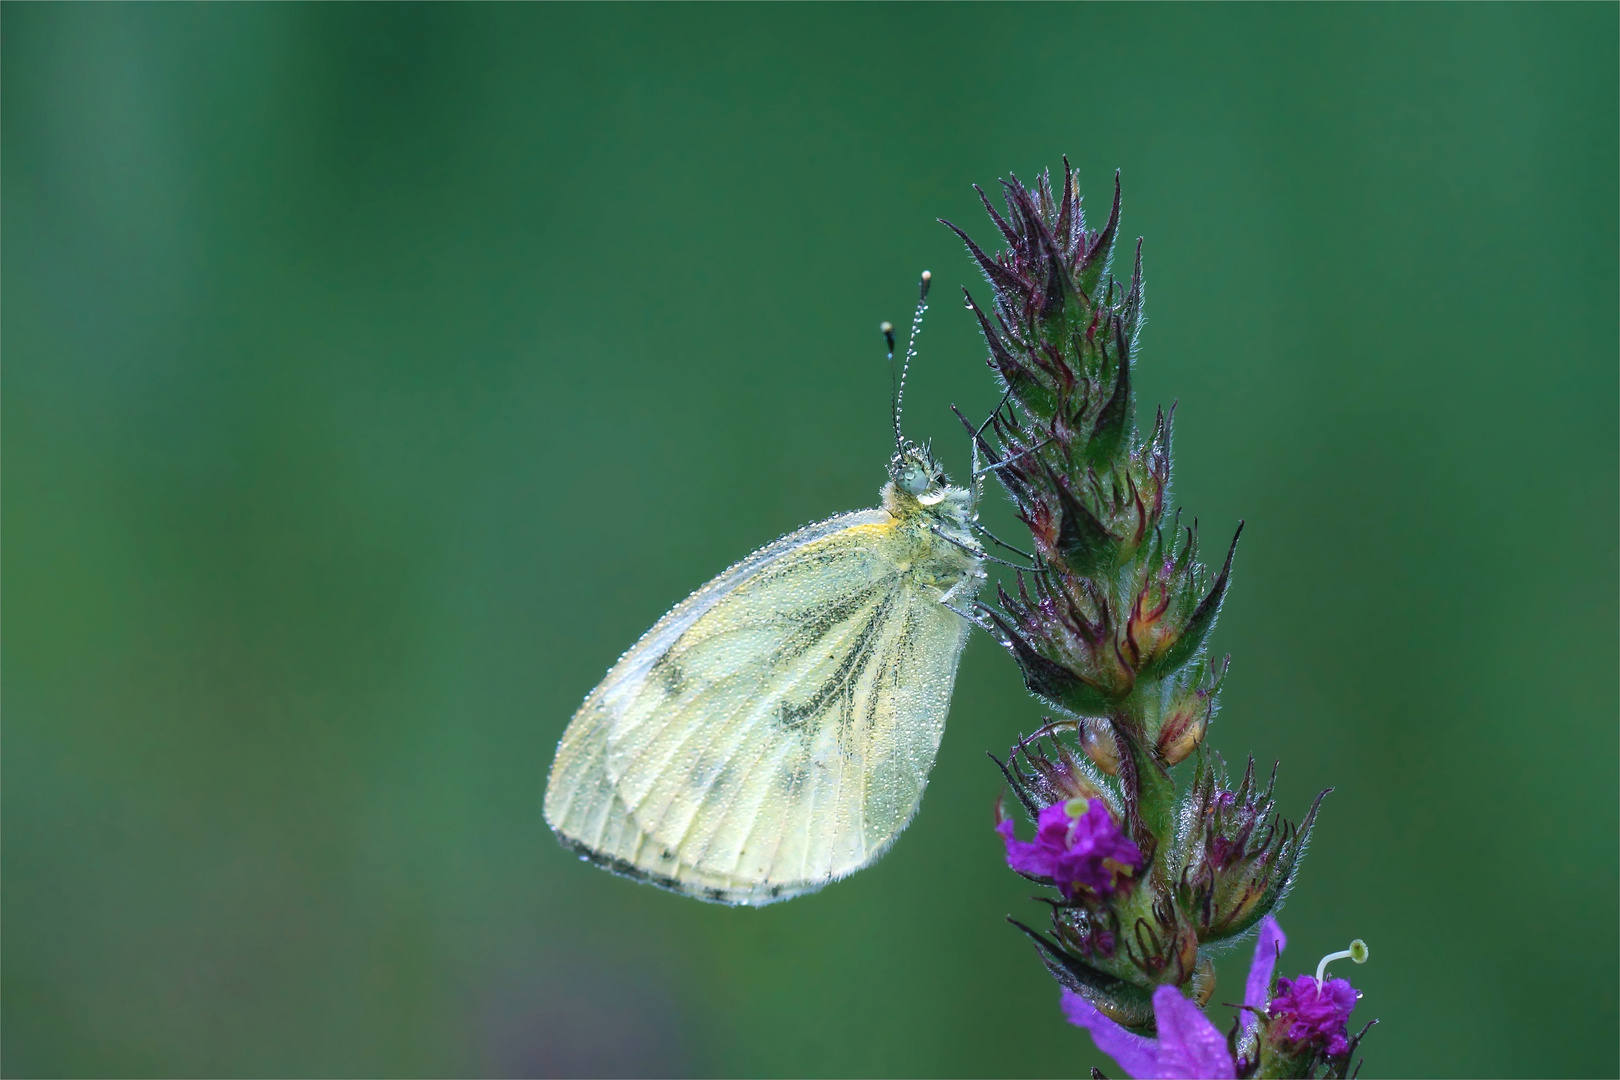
{"x": 1085, "y": 854}
{"x": 1258, "y": 989}
{"x": 1028, "y": 858}
{"x": 1189, "y": 1045}
{"x": 1306, "y": 1012}
{"x": 1055, "y": 827}
{"x": 1136, "y": 1054}
{"x": 1344, "y": 995}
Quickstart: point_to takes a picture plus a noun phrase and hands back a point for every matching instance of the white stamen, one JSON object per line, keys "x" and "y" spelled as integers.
{"x": 1357, "y": 952}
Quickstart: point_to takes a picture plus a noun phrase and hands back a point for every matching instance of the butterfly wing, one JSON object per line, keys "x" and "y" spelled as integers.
{"x": 773, "y": 732}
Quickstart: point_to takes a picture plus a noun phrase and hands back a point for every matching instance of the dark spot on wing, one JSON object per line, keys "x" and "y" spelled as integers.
{"x": 843, "y": 680}
{"x": 704, "y": 772}
{"x": 791, "y": 781}
{"x": 670, "y": 675}
{"x": 815, "y": 622}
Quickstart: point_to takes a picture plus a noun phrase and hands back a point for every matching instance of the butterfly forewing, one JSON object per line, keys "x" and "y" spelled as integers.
{"x": 773, "y": 732}
{"x": 753, "y": 676}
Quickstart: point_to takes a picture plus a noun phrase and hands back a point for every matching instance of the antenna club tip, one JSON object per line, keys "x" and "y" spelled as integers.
{"x": 927, "y": 276}
{"x": 886, "y": 328}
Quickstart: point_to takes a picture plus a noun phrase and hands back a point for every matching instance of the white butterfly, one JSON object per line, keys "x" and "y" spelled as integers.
{"x": 775, "y": 730}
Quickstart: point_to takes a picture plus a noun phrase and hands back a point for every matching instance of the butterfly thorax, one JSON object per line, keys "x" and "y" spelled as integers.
{"x": 933, "y": 518}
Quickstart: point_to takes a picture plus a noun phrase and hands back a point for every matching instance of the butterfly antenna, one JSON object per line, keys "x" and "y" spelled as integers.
{"x": 911, "y": 352}
{"x": 887, "y": 329}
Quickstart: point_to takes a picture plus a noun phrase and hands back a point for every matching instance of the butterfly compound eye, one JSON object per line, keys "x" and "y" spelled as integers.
{"x": 914, "y": 479}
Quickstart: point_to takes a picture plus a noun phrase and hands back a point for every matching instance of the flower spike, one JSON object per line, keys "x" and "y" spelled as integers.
{"x": 1155, "y": 854}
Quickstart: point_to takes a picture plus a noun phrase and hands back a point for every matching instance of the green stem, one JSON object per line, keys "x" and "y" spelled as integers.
{"x": 1152, "y": 790}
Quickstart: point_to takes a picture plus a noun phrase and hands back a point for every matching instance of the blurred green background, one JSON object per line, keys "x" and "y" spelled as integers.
{"x": 375, "y": 375}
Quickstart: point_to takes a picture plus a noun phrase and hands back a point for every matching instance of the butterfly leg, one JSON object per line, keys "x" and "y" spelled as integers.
{"x": 971, "y": 616}
{"x": 980, "y": 553}
{"x": 1002, "y": 543}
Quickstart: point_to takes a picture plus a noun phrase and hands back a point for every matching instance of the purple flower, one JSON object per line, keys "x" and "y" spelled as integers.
{"x": 1306, "y": 1012}
{"x": 1303, "y": 1016}
{"x": 1257, "y": 990}
{"x": 1188, "y": 1045}
{"x": 1077, "y": 847}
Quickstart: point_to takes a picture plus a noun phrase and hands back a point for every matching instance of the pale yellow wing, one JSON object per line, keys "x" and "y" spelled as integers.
{"x": 775, "y": 731}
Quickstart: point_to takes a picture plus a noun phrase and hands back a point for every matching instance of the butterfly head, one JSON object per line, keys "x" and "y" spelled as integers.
{"x": 916, "y": 471}
{"x": 918, "y": 492}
